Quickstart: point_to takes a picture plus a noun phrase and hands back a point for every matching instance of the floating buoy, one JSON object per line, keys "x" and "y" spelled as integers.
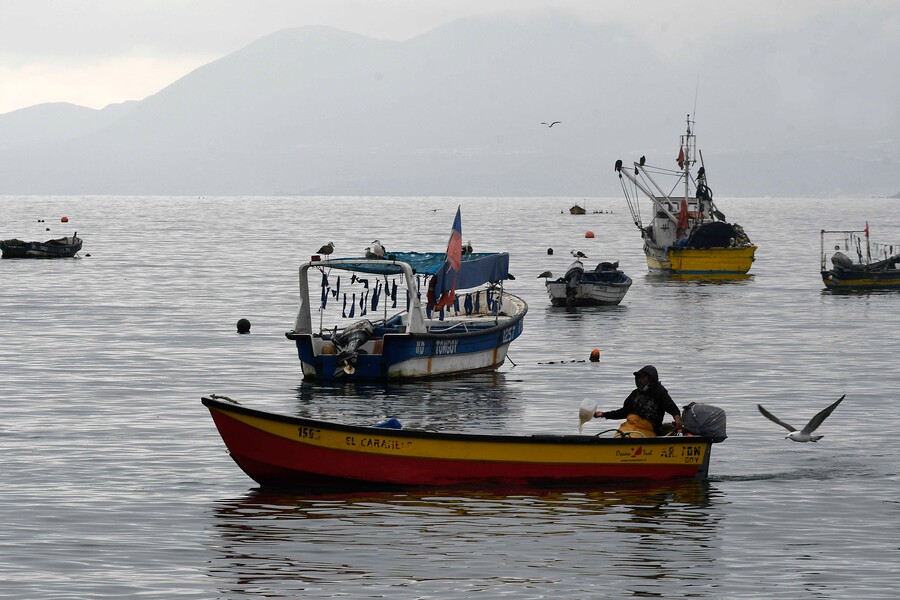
{"x": 243, "y": 326}
{"x": 595, "y": 355}
{"x": 328, "y": 349}
{"x": 549, "y": 250}
{"x": 588, "y": 234}
{"x": 64, "y": 220}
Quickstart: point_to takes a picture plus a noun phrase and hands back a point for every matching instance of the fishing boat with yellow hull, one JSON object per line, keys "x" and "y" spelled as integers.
{"x": 684, "y": 232}
{"x": 294, "y": 452}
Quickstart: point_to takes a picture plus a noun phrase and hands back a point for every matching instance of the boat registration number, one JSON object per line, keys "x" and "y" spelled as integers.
{"x": 309, "y": 433}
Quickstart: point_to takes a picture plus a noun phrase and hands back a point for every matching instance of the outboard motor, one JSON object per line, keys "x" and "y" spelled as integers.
{"x": 704, "y": 419}
{"x": 573, "y": 278}
{"x": 348, "y": 343}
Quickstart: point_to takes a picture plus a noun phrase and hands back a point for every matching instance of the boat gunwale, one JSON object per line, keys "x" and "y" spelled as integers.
{"x": 540, "y": 438}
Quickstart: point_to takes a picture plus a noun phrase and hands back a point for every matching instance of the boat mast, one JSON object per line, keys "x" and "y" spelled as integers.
{"x": 687, "y": 143}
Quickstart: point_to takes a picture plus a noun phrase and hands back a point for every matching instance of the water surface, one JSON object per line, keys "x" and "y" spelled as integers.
{"x": 116, "y": 483}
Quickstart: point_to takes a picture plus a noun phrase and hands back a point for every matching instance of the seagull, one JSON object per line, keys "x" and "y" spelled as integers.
{"x": 467, "y": 248}
{"x": 805, "y": 434}
{"x": 550, "y": 124}
{"x": 578, "y": 254}
{"x": 643, "y": 160}
{"x": 327, "y": 249}
{"x": 377, "y": 249}
{"x": 545, "y": 275}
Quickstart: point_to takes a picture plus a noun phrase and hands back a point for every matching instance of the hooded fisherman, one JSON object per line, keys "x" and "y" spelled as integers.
{"x": 645, "y": 407}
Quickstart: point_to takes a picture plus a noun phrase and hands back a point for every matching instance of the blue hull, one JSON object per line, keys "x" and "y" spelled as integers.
{"x": 409, "y": 356}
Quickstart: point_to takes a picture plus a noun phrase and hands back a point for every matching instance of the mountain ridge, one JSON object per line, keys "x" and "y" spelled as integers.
{"x": 457, "y": 111}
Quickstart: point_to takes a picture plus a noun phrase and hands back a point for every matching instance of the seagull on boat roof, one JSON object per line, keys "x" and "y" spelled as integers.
{"x": 550, "y": 124}
{"x": 377, "y": 249}
{"x": 327, "y": 249}
{"x": 467, "y": 248}
{"x": 578, "y": 254}
{"x": 805, "y": 434}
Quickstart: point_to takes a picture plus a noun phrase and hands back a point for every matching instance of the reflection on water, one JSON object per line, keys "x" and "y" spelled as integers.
{"x": 473, "y": 403}
{"x": 577, "y": 312}
{"x": 475, "y": 540}
{"x": 699, "y": 278}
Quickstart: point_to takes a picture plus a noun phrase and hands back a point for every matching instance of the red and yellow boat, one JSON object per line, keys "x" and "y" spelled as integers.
{"x": 294, "y": 452}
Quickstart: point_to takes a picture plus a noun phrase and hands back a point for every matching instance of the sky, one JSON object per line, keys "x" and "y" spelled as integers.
{"x": 99, "y": 52}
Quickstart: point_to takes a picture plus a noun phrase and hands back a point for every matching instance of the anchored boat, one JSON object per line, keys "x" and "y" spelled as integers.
{"x": 878, "y": 270}
{"x": 294, "y": 452}
{"x": 605, "y": 285}
{"x": 64, "y": 247}
{"x": 684, "y": 232}
{"x": 458, "y": 329}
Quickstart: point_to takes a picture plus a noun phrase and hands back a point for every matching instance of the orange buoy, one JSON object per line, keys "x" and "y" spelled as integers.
{"x": 64, "y": 220}
{"x": 595, "y": 355}
{"x": 589, "y": 234}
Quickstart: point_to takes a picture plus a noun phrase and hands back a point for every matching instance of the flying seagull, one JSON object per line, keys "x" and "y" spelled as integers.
{"x": 805, "y": 434}
{"x": 550, "y": 124}
{"x": 327, "y": 249}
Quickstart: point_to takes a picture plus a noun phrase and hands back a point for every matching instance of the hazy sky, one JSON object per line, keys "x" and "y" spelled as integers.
{"x": 97, "y": 52}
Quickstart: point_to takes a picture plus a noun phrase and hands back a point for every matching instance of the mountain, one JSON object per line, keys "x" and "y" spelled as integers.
{"x": 457, "y": 111}
{"x": 54, "y": 122}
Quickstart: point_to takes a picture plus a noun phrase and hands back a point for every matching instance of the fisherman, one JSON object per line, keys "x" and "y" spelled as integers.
{"x": 645, "y": 406}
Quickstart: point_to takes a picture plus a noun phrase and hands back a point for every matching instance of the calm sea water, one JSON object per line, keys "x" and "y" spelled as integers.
{"x": 116, "y": 483}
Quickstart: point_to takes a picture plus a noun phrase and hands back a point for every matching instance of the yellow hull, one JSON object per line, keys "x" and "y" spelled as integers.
{"x": 695, "y": 261}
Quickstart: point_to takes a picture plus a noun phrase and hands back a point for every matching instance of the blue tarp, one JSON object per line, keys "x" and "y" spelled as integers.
{"x": 476, "y": 268}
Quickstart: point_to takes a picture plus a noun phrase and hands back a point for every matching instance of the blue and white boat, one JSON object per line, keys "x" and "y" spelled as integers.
{"x": 606, "y": 285}
{"x": 462, "y": 332}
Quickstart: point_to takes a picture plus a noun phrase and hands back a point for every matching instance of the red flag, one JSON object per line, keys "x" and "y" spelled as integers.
{"x": 867, "y": 229}
{"x": 683, "y": 222}
{"x": 445, "y": 281}
{"x": 680, "y": 159}
{"x": 454, "y": 246}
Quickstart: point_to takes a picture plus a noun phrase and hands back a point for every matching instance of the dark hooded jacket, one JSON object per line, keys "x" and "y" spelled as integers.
{"x": 651, "y": 405}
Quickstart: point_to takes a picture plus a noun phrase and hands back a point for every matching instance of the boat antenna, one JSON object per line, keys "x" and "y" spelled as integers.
{"x": 696, "y": 94}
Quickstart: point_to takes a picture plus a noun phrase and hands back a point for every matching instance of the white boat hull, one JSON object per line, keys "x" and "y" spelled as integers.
{"x": 588, "y": 294}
